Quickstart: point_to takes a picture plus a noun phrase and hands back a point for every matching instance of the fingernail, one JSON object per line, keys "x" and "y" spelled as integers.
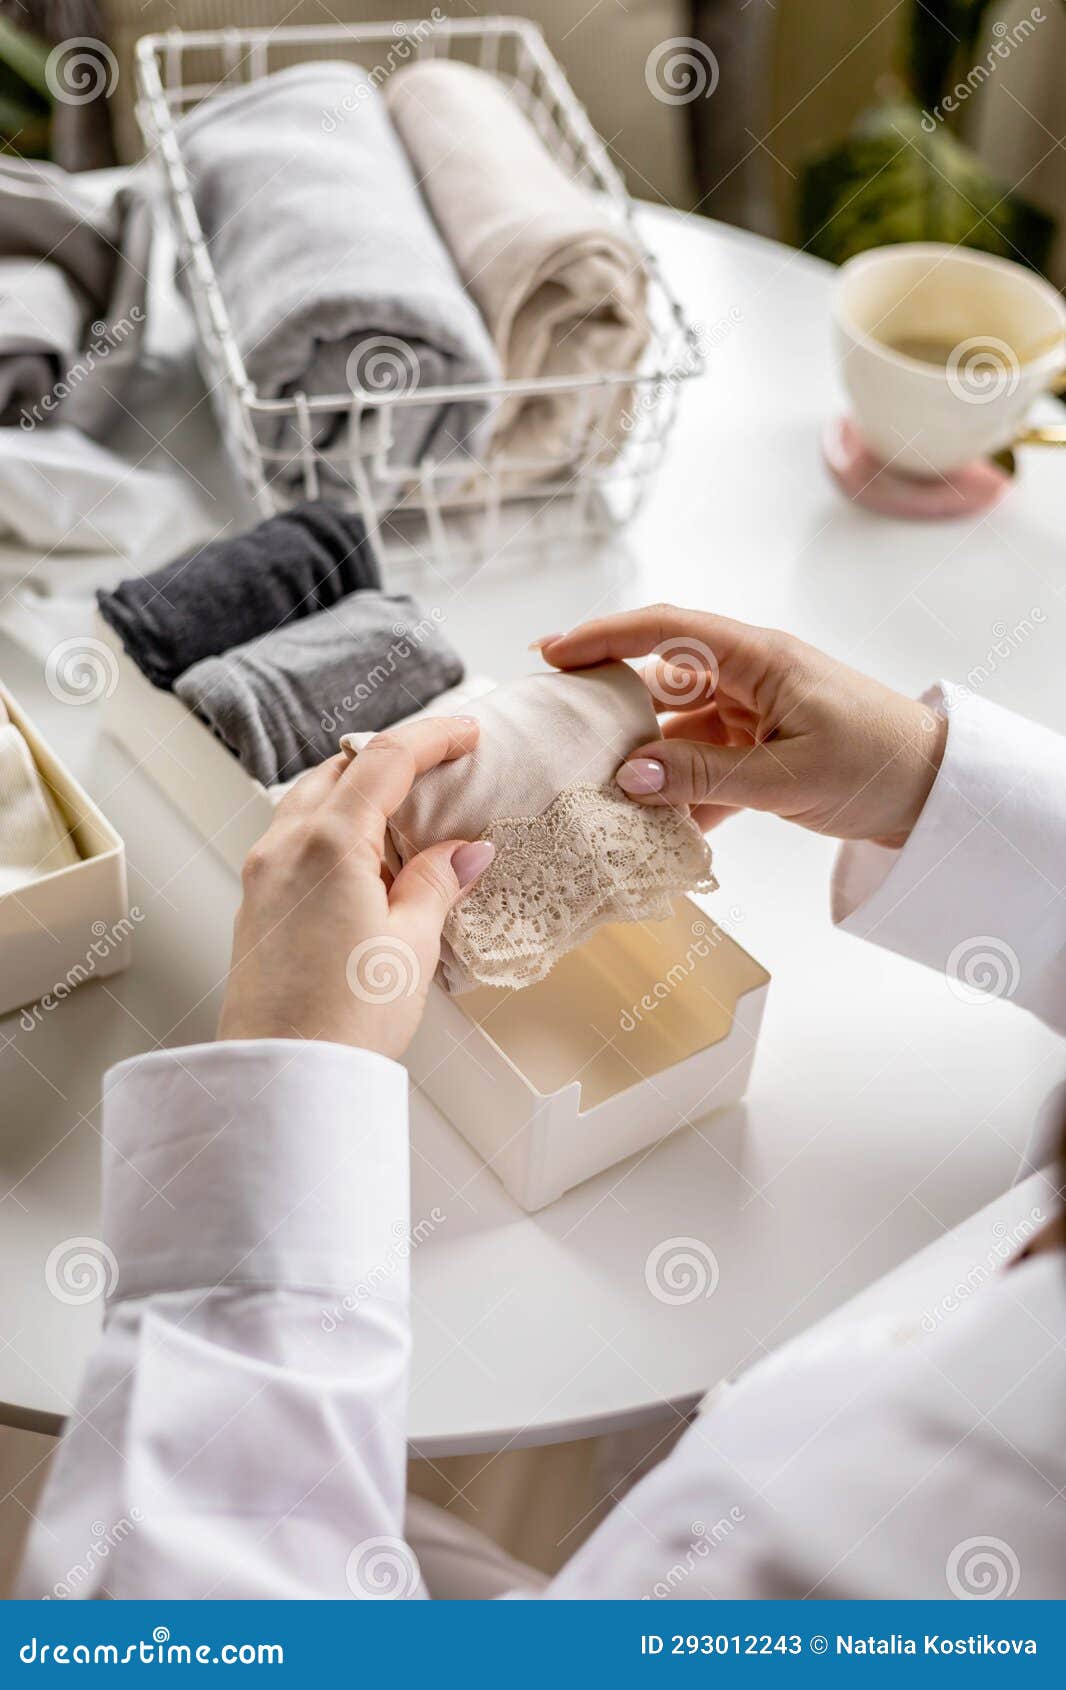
{"x": 471, "y": 860}
{"x": 471, "y": 721}
{"x": 642, "y": 775}
{"x": 545, "y": 639}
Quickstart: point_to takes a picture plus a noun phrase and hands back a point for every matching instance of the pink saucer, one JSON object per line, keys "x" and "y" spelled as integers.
{"x": 867, "y": 481}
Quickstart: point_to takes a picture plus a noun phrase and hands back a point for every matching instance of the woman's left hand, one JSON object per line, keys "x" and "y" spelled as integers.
{"x": 324, "y": 947}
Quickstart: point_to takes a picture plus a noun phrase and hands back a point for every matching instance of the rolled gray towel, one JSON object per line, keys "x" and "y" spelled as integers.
{"x": 331, "y": 268}
{"x": 281, "y": 702}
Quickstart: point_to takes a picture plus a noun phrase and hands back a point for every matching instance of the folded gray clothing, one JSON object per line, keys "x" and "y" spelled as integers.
{"x": 41, "y": 318}
{"x": 331, "y": 268}
{"x": 97, "y": 246}
{"x": 281, "y": 702}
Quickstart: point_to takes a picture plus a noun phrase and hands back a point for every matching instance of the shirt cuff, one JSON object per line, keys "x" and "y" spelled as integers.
{"x": 274, "y": 1162}
{"x": 981, "y": 870}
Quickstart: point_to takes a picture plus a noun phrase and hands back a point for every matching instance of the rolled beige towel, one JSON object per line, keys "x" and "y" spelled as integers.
{"x": 559, "y": 283}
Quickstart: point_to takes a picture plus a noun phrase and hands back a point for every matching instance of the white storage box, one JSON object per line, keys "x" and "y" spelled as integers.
{"x": 644, "y": 1028}
{"x": 72, "y": 925}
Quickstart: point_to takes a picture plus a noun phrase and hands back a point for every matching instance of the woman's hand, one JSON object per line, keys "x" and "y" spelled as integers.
{"x": 765, "y": 722}
{"x": 323, "y": 947}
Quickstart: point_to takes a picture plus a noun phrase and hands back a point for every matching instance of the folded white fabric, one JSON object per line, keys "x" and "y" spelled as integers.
{"x": 572, "y": 851}
{"x": 35, "y": 839}
{"x": 61, "y": 491}
{"x": 559, "y": 282}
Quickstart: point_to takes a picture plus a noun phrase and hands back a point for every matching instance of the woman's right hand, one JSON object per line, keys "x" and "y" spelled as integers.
{"x": 759, "y": 720}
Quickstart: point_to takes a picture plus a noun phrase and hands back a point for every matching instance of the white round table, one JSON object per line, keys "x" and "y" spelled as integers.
{"x": 881, "y": 1111}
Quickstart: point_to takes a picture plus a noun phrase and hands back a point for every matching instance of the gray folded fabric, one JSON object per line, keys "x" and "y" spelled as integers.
{"x": 331, "y": 268}
{"x": 41, "y": 319}
{"x": 281, "y": 702}
{"x": 88, "y": 254}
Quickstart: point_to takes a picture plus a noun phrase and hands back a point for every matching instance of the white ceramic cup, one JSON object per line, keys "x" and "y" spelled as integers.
{"x": 1006, "y": 330}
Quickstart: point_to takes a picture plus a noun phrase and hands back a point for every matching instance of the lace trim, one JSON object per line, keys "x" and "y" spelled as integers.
{"x": 593, "y": 856}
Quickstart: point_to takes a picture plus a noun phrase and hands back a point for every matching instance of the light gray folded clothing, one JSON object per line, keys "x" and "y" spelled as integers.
{"x": 281, "y": 702}
{"x": 330, "y": 266}
{"x": 561, "y": 284}
{"x": 84, "y": 258}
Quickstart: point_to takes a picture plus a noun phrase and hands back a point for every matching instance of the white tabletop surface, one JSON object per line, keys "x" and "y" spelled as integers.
{"x": 882, "y": 1110}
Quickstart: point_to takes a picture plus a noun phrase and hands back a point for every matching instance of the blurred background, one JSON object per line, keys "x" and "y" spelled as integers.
{"x": 832, "y": 124}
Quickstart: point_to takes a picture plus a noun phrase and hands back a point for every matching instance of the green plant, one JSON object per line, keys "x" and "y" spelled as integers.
{"x": 25, "y": 98}
{"x": 903, "y": 174}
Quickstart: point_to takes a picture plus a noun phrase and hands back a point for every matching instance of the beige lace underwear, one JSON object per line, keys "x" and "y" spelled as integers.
{"x": 572, "y": 852}
{"x": 591, "y": 857}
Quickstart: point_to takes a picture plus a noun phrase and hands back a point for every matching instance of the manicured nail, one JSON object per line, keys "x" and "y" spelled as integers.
{"x": 471, "y": 721}
{"x": 471, "y": 860}
{"x": 642, "y": 775}
{"x": 545, "y": 639}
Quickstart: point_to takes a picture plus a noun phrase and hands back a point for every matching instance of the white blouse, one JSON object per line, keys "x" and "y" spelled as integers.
{"x": 229, "y": 1443}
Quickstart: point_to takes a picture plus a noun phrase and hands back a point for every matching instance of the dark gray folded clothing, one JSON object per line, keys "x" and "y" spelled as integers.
{"x": 232, "y": 590}
{"x": 332, "y": 270}
{"x": 282, "y": 702}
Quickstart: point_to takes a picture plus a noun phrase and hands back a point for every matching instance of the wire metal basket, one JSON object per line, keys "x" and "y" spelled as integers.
{"x": 418, "y": 506}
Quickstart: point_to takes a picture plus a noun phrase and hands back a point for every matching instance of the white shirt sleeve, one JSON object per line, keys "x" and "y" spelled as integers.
{"x": 978, "y": 890}
{"x": 241, "y": 1430}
